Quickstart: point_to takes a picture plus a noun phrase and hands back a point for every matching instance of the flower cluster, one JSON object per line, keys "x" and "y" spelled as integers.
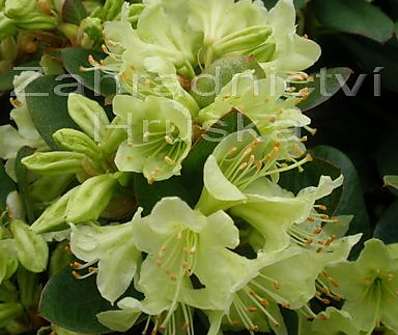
{"x": 244, "y": 250}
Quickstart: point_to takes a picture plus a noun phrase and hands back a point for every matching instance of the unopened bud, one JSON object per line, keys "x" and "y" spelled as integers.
{"x": 32, "y": 249}
{"x": 91, "y": 199}
{"x": 89, "y": 115}
{"x": 54, "y": 163}
{"x": 77, "y": 141}
{"x": 53, "y": 218}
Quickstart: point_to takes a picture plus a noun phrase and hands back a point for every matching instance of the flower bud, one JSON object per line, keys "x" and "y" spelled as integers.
{"x": 27, "y": 287}
{"x": 114, "y": 136}
{"x": 110, "y": 10}
{"x": 15, "y": 206}
{"x": 91, "y": 199}
{"x": 8, "y": 259}
{"x": 32, "y": 249}
{"x": 54, "y": 163}
{"x": 8, "y": 49}
{"x": 90, "y": 33}
{"x": 53, "y": 218}
{"x": 28, "y": 16}
{"x": 208, "y": 85}
{"x": 77, "y": 141}
{"x": 242, "y": 40}
{"x": 7, "y": 27}
{"x": 48, "y": 188}
{"x": 70, "y": 31}
{"x": 89, "y": 115}
{"x": 20, "y": 8}
{"x": 9, "y": 311}
{"x": 264, "y": 53}
{"x": 134, "y": 12}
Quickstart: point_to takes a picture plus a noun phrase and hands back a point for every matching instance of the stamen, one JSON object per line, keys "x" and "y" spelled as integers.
{"x": 148, "y": 322}
{"x": 307, "y": 312}
{"x": 78, "y": 266}
{"x": 321, "y": 207}
{"x": 168, "y": 139}
{"x": 240, "y": 308}
{"x": 268, "y": 292}
{"x": 91, "y": 272}
{"x": 305, "y": 160}
{"x": 169, "y": 161}
{"x": 260, "y": 306}
{"x": 312, "y": 131}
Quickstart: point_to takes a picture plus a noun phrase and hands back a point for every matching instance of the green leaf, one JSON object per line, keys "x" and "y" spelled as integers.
{"x": 352, "y": 201}
{"x": 295, "y": 181}
{"x": 373, "y": 56}
{"x": 387, "y": 158}
{"x": 396, "y": 29}
{"x": 73, "y": 304}
{"x": 6, "y": 186}
{"x": 387, "y": 227}
{"x": 148, "y": 195}
{"x": 23, "y": 183}
{"x": 75, "y": 59}
{"x": 354, "y": 17}
{"x": 299, "y": 4}
{"x": 73, "y": 11}
{"x": 325, "y": 85}
{"x": 48, "y": 109}
{"x": 348, "y": 200}
{"x": 391, "y": 181}
{"x": 7, "y": 78}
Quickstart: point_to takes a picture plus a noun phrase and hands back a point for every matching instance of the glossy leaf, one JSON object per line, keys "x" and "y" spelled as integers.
{"x": 354, "y": 17}
{"x": 7, "y": 78}
{"x": 47, "y": 107}
{"x": 299, "y": 4}
{"x": 346, "y": 201}
{"x": 73, "y": 304}
{"x": 387, "y": 158}
{"x": 325, "y": 85}
{"x": 21, "y": 173}
{"x": 73, "y": 11}
{"x": 6, "y": 186}
{"x": 352, "y": 201}
{"x": 148, "y": 195}
{"x": 387, "y": 227}
{"x": 76, "y": 59}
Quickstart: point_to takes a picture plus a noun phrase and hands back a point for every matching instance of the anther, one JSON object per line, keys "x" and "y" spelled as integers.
{"x": 305, "y": 92}
{"x": 168, "y": 139}
{"x": 317, "y": 231}
{"x": 232, "y": 151}
{"x": 76, "y": 265}
{"x": 276, "y": 285}
{"x": 15, "y": 103}
{"x": 322, "y": 317}
{"x": 92, "y": 61}
{"x": 243, "y": 166}
{"x": 321, "y": 207}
